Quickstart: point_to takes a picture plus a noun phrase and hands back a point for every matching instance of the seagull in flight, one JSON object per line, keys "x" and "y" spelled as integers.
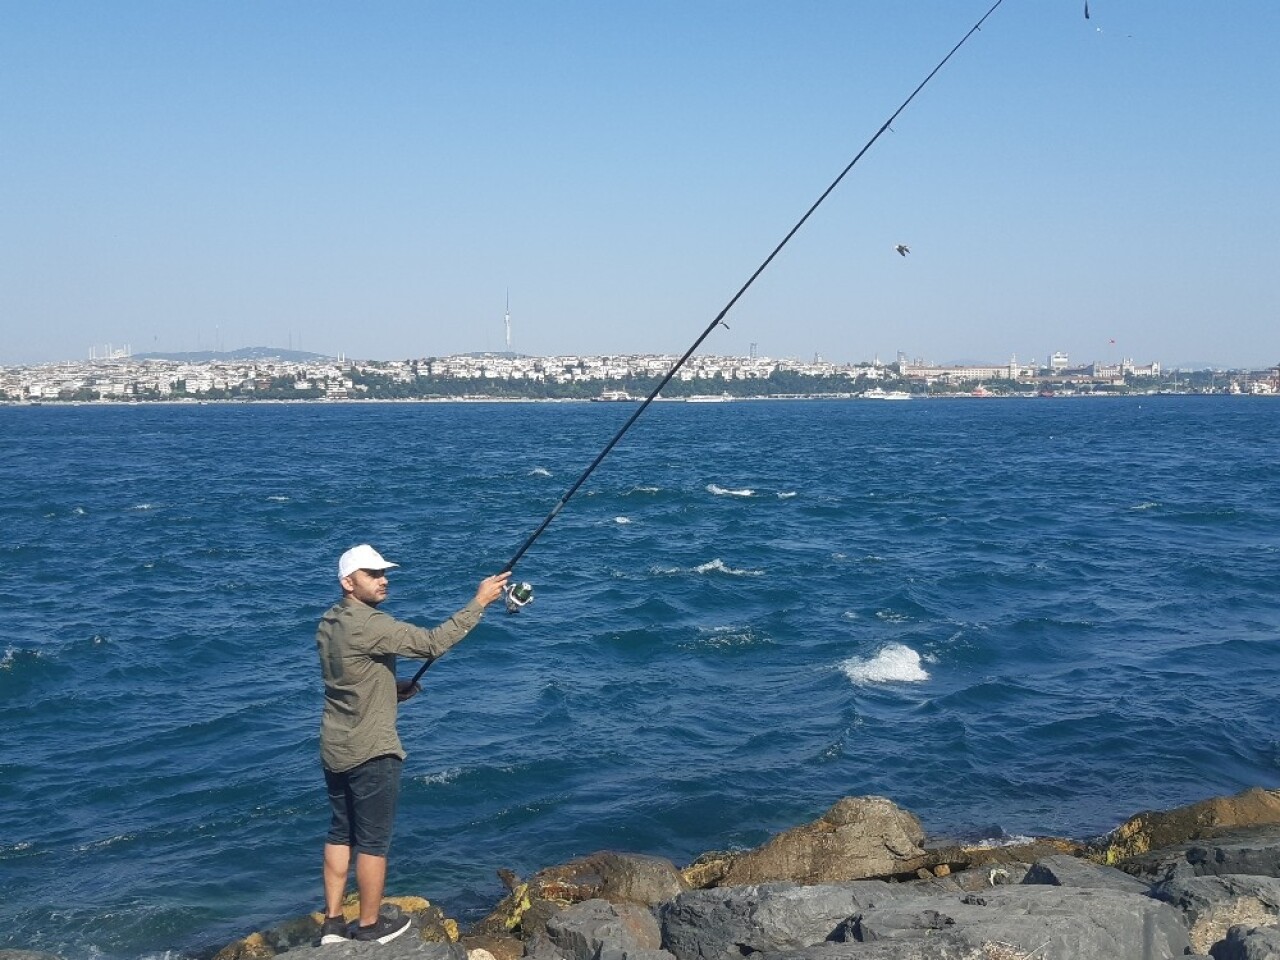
{"x": 902, "y": 249}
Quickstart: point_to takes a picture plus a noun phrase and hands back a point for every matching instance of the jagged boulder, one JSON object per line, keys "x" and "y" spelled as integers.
{"x": 858, "y": 838}
{"x": 1213, "y": 904}
{"x": 596, "y": 929}
{"x": 871, "y": 919}
{"x": 728, "y": 923}
{"x": 606, "y": 875}
{"x": 1252, "y": 851}
{"x": 1156, "y": 829}
{"x": 1065, "y": 871}
{"x": 1248, "y": 943}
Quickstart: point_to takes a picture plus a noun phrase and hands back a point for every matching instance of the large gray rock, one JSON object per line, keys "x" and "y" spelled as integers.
{"x": 1213, "y": 905}
{"x": 1254, "y": 851}
{"x": 1248, "y": 943}
{"x": 1065, "y": 871}
{"x": 1065, "y": 923}
{"x": 944, "y": 946}
{"x": 892, "y": 922}
{"x": 726, "y": 923}
{"x": 595, "y": 929}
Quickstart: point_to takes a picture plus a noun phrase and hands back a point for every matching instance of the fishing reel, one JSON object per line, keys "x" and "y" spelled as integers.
{"x": 518, "y": 596}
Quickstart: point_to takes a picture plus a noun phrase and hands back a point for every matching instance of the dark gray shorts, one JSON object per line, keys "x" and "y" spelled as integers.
{"x": 363, "y": 800}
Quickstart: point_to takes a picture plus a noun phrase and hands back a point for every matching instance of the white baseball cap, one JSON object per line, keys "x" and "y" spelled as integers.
{"x": 363, "y": 557}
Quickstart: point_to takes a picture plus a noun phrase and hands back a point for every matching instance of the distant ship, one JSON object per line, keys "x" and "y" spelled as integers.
{"x": 708, "y": 398}
{"x": 880, "y": 393}
{"x": 613, "y": 396}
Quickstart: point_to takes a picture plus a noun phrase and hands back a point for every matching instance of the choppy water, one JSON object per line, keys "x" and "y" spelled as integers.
{"x": 1036, "y": 617}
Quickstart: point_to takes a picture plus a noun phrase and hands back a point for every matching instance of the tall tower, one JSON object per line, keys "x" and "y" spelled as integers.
{"x": 507, "y": 320}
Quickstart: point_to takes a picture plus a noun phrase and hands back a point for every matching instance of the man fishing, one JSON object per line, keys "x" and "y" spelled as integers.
{"x": 358, "y": 645}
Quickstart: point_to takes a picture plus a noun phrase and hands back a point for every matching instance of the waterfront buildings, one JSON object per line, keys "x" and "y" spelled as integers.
{"x": 124, "y": 377}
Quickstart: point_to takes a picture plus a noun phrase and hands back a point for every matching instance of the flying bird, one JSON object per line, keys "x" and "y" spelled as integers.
{"x": 902, "y": 249}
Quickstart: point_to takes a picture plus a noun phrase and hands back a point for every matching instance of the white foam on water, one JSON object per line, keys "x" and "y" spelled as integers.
{"x": 895, "y": 663}
{"x": 103, "y": 844}
{"x": 278, "y": 499}
{"x": 143, "y": 506}
{"x": 718, "y": 566}
{"x": 539, "y": 472}
{"x": 13, "y": 654}
{"x": 621, "y": 519}
{"x": 786, "y": 494}
{"x": 713, "y": 566}
{"x": 641, "y": 490}
{"x": 728, "y": 637}
{"x": 992, "y": 842}
{"x": 447, "y": 775}
{"x": 891, "y": 616}
{"x": 720, "y": 491}
{"x": 1148, "y": 505}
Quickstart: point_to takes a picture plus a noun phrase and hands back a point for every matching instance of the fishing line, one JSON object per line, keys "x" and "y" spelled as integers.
{"x": 520, "y": 594}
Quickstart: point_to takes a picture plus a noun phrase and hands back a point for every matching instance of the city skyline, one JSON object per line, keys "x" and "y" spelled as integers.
{"x": 1048, "y": 360}
{"x": 1045, "y": 358}
{"x": 375, "y": 181}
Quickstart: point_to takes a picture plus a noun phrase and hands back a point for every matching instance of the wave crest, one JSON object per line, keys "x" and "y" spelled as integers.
{"x": 720, "y": 491}
{"x": 895, "y": 663}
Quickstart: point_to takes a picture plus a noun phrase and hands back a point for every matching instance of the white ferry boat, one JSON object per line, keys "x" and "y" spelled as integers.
{"x": 880, "y": 393}
{"x": 613, "y": 396}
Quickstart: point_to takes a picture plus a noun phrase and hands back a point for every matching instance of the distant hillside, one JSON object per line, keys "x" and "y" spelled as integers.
{"x": 244, "y": 353}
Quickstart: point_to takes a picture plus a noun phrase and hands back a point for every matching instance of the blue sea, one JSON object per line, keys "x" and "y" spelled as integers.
{"x": 1012, "y": 617}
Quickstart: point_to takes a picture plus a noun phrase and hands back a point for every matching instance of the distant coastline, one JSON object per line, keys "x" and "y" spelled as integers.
{"x": 260, "y": 377}
{"x": 129, "y": 402}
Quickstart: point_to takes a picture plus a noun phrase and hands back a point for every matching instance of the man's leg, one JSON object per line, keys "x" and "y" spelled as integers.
{"x": 337, "y": 861}
{"x": 338, "y": 842}
{"x": 371, "y": 880}
{"x": 375, "y": 789}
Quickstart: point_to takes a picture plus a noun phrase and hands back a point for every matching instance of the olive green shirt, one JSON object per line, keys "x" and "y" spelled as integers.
{"x": 358, "y": 646}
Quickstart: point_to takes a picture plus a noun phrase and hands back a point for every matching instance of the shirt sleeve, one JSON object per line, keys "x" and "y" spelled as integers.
{"x": 386, "y": 634}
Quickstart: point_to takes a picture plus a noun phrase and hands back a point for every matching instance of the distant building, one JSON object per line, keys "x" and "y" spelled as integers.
{"x": 919, "y": 370}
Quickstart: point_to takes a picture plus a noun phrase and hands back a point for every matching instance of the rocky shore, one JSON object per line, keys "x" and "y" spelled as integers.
{"x": 862, "y": 882}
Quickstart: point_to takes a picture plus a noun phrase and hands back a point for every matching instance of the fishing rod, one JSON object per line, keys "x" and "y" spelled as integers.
{"x": 520, "y": 594}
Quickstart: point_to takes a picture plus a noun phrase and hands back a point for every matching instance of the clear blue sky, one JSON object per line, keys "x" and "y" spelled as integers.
{"x": 372, "y": 178}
